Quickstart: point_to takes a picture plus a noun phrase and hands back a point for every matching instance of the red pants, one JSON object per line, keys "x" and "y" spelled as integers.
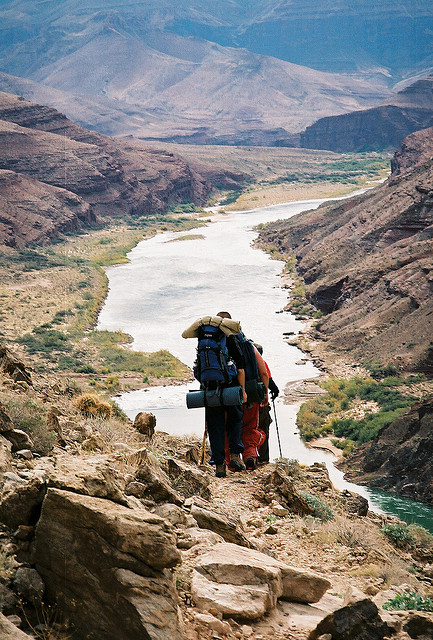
{"x": 252, "y": 436}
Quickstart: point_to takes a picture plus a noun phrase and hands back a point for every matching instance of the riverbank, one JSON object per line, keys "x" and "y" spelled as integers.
{"x": 58, "y": 336}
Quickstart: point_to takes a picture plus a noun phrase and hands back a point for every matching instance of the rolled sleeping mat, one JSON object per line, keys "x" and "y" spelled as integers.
{"x": 233, "y": 396}
{"x": 214, "y": 398}
{"x": 195, "y": 399}
{"x": 255, "y": 390}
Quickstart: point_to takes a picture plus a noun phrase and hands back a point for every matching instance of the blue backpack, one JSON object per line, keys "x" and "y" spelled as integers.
{"x": 213, "y": 367}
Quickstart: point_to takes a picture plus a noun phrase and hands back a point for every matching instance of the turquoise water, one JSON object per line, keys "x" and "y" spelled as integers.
{"x": 405, "y": 509}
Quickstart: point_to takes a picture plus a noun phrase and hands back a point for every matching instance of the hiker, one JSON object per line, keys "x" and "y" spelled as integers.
{"x": 265, "y": 419}
{"x": 219, "y": 366}
{"x": 256, "y": 386}
{"x": 252, "y": 435}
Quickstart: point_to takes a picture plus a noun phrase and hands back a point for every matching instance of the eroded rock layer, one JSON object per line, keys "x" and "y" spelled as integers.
{"x": 367, "y": 264}
{"x": 42, "y": 152}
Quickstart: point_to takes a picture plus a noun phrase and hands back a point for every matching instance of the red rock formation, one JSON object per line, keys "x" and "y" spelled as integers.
{"x": 382, "y": 127}
{"x": 367, "y": 263}
{"x": 112, "y": 176}
{"x": 33, "y": 212}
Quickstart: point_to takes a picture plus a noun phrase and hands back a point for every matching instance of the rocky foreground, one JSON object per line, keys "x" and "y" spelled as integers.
{"x": 117, "y": 531}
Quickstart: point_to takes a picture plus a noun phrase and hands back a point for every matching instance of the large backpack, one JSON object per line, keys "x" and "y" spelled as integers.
{"x": 213, "y": 367}
{"x": 255, "y": 389}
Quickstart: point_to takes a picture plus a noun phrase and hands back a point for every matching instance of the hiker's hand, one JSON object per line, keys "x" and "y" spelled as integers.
{"x": 245, "y": 396}
{"x": 273, "y": 389}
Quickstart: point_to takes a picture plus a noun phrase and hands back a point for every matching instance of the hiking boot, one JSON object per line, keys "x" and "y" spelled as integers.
{"x": 251, "y": 463}
{"x": 236, "y": 463}
{"x": 220, "y": 470}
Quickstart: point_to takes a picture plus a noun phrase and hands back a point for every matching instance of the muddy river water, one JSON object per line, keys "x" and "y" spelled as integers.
{"x": 174, "y": 278}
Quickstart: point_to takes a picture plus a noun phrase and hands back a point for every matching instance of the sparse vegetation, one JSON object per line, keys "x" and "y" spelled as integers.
{"x": 409, "y": 600}
{"x": 331, "y": 413}
{"x": 321, "y": 510}
{"x": 30, "y": 415}
{"x": 93, "y": 407}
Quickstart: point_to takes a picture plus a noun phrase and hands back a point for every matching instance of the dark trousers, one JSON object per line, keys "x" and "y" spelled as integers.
{"x": 221, "y": 421}
{"x": 264, "y": 424}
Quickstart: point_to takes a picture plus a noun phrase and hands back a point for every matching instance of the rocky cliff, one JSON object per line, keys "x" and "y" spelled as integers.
{"x": 378, "y": 128}
{"x": 399, "y": 459}
{"x": 81, "y": 173}
{"x": 367, "y": 265}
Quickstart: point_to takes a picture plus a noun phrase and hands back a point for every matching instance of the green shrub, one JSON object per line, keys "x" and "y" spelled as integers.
{"x": 320, "y": 509}
{"x": 315, "y": 416}
{"x": 399, "y": 535}
{"x": 409, "y": 600}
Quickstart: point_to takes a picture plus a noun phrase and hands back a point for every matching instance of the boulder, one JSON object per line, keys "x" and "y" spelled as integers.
{"x": 191, "y": 536}
{"x": 13, "y": 367}
{"x": 145, "y": 423}
{"x": 283, "y": 487}
{"x": 246, "y": 584}
{"x": 108, "y": 567}
{"x": 8, "y": 631}
{"x": 174, "y": 514}
{"x": 354, "y": 503}
{"x": 20, "y": 501}
{"x": 187, "y": 479}
{"x": 29, "y": 585}
{"x": 19, "y": 439}
{"x": 221, "y": 523}
{"x": 157, "y": 486}
{"x": 88, "y": 475}
{"x": 357, "y": 621}
{"x": 6, "y": 423}
{"x": 419, "y": 625}
{"x": 5, "y": 454}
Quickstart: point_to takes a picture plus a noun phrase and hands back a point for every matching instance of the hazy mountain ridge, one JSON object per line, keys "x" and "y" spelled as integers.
{"x": 160, "y": 84}
{"x": 367, "y": 265}
{"x": 377, "y": 128}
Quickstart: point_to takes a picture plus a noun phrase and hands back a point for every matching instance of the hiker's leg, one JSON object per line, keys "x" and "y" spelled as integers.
{"x": 234, "y": 428}
{"x": 264, "y": 423}
{"x": 252, "y": 436}
{"x": 215, "y": 420}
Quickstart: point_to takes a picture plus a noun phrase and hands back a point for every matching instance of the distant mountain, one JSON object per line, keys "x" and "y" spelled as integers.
{"x": 367, "y": 264}
{"x": 123, "y": 70}
{"x": 383, "y": 127}
{"x": 56, "y": 176}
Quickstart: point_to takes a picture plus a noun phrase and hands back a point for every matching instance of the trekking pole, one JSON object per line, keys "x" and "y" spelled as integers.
{"x": 276, "y": 427}
{"x": 203, "y": 446}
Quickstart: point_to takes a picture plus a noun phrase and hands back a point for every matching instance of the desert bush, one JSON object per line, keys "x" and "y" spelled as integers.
{"x": 409, "y": 600}
{"x": 321, "y": 510}
{"x": 31, "y": 416}
{"x": 399, "y": 535}
{"x": 315, "y": 417}
{"x": 93, "y": 407}
{"x": 44, "y": 340}
{"x": 291, "y": 466}
{"x": 112, "y": 382}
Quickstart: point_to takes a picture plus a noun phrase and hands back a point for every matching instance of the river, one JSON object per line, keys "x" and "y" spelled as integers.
{"x": 170, "y": 281}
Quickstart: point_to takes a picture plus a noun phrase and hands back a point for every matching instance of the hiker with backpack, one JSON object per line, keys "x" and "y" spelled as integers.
{"x": 256, "y": 385}
{"x": 220, "y": 369}
{"x": 265, "y": 419}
